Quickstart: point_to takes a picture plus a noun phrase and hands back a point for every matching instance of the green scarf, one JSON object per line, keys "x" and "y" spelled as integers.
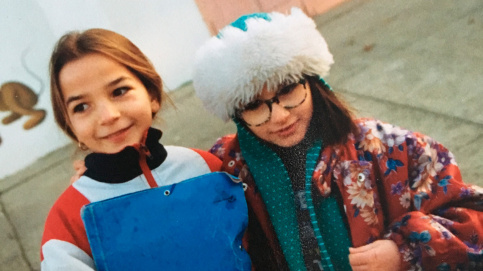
{"x": 275, "y": 187}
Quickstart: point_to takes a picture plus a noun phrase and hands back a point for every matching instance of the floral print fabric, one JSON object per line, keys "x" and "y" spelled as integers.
{"x": 395, "y": 184}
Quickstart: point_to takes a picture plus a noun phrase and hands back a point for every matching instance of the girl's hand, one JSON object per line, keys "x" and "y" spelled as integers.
{"x": 380, "y": 255}
{"x": 79, "y": 168}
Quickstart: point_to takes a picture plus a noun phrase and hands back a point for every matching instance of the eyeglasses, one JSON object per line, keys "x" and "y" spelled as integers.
{"x": 259, "y": 112}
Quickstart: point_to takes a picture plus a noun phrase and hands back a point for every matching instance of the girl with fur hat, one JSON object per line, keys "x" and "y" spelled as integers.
{"x": 327, "y": 191}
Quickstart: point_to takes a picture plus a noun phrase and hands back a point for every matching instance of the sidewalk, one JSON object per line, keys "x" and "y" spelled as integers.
{"x": 413, "y": 63}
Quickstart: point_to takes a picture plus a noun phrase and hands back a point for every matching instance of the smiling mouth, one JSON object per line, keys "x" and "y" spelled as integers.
{"x": 286, "y": 130}
{"x": 117, "y": 133}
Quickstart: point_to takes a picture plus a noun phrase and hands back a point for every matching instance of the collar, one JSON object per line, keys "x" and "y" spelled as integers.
{"x": 125, "y": 165}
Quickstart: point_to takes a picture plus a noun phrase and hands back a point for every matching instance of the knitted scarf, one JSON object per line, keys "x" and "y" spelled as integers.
{"x": 275, "y": 187}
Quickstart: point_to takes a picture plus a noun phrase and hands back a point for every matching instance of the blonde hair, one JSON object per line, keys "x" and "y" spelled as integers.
{"x": 75, "y": 45}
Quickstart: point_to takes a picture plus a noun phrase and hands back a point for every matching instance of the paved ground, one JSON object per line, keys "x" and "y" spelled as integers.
{"x": 414, "y": 63}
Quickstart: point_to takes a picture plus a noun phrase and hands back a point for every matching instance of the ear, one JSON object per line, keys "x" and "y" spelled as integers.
{"x": 155, "y": 106}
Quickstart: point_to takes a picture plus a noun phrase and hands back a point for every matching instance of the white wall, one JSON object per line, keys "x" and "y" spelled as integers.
{"x": 167, "y": 31}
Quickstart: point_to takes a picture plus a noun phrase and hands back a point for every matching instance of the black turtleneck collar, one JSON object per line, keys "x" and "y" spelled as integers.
{"x": 124, "y": 165}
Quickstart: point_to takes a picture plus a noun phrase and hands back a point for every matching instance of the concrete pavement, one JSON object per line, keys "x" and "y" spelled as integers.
{"x": 417, "y": 64}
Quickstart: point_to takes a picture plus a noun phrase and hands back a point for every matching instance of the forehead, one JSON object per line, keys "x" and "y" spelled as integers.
{"x": 268, "y": 93}
{"x": 92, "y": 71}
{"x": 265, "y": 94}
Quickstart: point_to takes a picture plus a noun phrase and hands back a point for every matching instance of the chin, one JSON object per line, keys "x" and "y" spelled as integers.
{"x": 113, "y": 150}
{"x": 288, "y": 142}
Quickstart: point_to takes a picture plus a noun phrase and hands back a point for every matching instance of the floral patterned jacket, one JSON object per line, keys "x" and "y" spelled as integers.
{"x": 395, "y": 184}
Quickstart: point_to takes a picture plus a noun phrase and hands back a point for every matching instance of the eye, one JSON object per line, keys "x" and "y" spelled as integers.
{"x": 287, "y": 89}
{"x": 253, "y": 105}
{"x": 120, "y": 91}
{"x": 80, "y": 108}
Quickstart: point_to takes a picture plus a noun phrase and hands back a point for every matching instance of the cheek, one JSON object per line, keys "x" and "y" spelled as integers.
{"x": 80, "y": 128}
{"x": 307, "y": 113}
{"x": 307, "y": 108}
{"x": 78, "y": 132}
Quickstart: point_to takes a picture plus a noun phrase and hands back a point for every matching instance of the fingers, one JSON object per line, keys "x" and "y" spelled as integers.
{"x": 79, "y": 165}
{"x": 73, "y": 179}
{"x": 362, "y": 248}
{"x": 361, "y": 268}
{"x": 79, "y": 168}
{"x": 361, "y": 258}
{"x": 380, "y": 255}
{"x": 357, "y": 259}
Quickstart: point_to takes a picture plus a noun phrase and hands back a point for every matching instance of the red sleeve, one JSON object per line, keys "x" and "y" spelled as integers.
{"x": 213, "y": 162}
{"x": 434, "y": 217}
{"x": 65, "y": 223}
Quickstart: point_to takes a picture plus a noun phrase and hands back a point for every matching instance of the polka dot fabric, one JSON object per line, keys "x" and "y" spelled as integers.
{"x": 275, "y": 187}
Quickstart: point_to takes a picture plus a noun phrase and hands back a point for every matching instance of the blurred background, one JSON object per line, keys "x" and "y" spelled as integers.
{"x": 416, "y": 64}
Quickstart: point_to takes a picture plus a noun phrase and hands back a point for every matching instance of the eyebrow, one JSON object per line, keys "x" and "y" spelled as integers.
{"x": 73, "y": 99}
{"x": 110, "y": 84}
{"x": 287, "y": 86}
{"x": 117, "y": 81}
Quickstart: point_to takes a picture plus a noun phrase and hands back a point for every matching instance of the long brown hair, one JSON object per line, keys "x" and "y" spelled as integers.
{"x": 334, "y": 116}
{"x": 75, "y": 45}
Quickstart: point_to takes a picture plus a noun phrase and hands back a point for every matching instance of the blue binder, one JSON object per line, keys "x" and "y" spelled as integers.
{"x": 196, "y": 224}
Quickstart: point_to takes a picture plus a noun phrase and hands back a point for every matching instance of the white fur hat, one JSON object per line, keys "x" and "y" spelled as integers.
{"x": 256, "y": 50}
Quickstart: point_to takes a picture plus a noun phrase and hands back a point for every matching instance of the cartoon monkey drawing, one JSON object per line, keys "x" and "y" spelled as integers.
{"x": 19, "y": 99}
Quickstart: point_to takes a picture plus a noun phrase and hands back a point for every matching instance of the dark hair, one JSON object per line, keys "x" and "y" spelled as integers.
{"x": 75, "y": 45}
{"x": 333, "y": 117}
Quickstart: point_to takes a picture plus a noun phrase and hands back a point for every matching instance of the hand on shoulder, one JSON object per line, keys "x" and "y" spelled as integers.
{"x": 79, "y": 168}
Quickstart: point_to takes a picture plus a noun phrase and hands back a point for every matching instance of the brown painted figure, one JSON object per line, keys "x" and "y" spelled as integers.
{"x": 19, "y": 100}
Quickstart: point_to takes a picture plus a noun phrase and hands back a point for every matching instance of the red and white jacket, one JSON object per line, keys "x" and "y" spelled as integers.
{"x": 64, "y": 242}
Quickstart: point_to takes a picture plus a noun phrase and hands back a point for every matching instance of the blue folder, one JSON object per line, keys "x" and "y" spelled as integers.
{"x": 196, "y": 224}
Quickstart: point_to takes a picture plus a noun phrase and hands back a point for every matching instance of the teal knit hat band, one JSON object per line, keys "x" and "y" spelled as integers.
{"x": 241, "y": 23}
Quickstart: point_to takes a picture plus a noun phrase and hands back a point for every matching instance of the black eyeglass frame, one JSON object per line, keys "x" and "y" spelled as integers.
{"x": 274, "y": 99}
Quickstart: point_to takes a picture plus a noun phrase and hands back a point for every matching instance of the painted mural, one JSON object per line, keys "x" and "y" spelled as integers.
{"x": 18, "y": 100}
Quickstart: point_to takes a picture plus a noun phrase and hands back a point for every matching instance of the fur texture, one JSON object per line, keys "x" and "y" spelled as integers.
{"x": 233, "y": 67}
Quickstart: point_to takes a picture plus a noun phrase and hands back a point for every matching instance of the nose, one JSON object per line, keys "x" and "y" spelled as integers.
{"x": 108, "y": 113}
{"x": 279, "y": 113}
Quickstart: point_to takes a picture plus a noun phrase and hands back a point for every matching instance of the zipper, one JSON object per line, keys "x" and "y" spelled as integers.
{"x": 143, "y": 154}
{"x": 143, "y": 148}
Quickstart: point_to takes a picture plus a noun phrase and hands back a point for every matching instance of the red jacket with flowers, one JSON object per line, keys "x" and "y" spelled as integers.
{"x": 395, "y": 184}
